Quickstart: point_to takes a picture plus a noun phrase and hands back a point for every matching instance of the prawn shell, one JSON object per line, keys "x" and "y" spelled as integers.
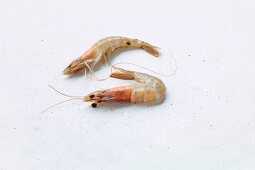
{"x": 104, "y": 49}
{"x": 117, "y": 94}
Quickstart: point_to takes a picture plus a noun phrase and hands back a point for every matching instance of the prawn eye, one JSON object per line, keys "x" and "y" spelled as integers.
{"x": 69, "y": 65}
{"x": 128, "y": 43}
{"x": 94, "y": 105}
{"x": 91, "y": 96}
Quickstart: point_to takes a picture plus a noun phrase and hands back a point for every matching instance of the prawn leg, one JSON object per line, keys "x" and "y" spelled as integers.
{"x": 105, "y": 57}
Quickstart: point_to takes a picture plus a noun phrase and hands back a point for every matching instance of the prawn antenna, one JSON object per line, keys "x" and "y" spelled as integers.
{"x": 62, "y": 93}
{"x": 60, "y": 103}
{"x": 72, "y": 98}
{"x": 165, "y": 75}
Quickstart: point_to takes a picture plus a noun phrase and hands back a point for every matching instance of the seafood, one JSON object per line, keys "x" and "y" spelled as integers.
{"x": 145, "y": 89}
{"x": 104, "y": 49}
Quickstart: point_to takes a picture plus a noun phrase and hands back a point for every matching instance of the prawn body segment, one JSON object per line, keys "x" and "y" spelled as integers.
{"x": 103, "y": 50}
{"x": 145, "y": 94}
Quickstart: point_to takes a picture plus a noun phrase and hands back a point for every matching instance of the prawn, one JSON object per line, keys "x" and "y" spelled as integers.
{"x": 104, "y": 49}
{"x": 146, "y": 89}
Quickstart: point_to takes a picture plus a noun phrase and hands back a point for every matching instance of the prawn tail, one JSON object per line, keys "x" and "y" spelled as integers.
{"x": 153, "y": 50}
{"x": 120, "y": 73}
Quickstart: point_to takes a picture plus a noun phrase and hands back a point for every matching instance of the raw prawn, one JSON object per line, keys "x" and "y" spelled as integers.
{"x": 104, "y": 49}
{"x": 145, "y": 89}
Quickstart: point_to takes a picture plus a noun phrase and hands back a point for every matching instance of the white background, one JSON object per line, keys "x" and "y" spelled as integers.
{"x": 206, "y": 122}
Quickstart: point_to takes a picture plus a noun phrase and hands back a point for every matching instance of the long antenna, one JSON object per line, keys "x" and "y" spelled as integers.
{"x": 166, "y": 75}
{"x": 62, "y": 93}
{"x": 60, "y": 103}
{"x": 72, "y": 98}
